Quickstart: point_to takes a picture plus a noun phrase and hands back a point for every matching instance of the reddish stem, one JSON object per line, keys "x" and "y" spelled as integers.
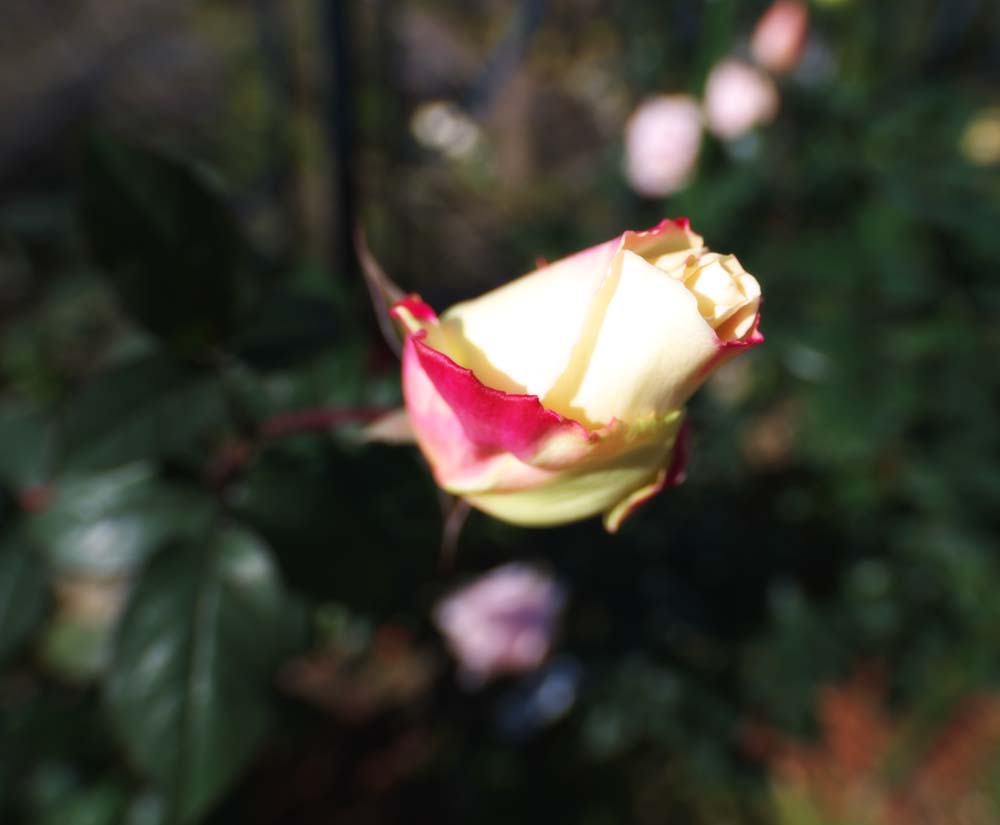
{"x": 35, "y": 499}
{"x": 317, "y": 420}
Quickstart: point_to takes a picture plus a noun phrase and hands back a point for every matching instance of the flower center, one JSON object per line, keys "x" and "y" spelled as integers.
{"x": 728, "y": 296}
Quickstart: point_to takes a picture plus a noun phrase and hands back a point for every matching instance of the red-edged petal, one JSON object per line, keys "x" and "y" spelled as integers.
{"x": 753, "y": 337}
{"x": 728, "y": 349}
{"x": 413, "y": 313}
{"x": 677, "y": 471}
{"x": 494, "y": 421}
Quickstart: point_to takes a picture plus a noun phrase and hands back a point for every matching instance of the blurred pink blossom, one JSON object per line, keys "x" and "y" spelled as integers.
{"x": 502, "y": 622}
{"x": 738, "y": 97}
{"x": 780, "y": 35}
{"x": 662, "y": 138}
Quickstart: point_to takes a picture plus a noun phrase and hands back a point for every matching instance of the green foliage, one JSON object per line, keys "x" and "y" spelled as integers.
{"x": 205, "y": 624}
{"x": 168, "y": 244}
{"x": 27, "y": 436}
{"x": 108, "y": 523}
{"x": 170, "y": 559}
{"x": 152, "y": 406}
{"x": 23, "y": 591}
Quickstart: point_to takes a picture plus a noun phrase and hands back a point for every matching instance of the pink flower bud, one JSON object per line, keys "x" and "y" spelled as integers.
{"x": 780, "y": 35}
{"x": 738, "y": 98}
{"x": 662, "y": 138}
{"x": 503, "y": 622}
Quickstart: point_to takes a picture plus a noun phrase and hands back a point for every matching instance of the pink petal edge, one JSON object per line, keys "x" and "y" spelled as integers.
{"x": 493, "y": 420}
{"x": 727, "y": 349}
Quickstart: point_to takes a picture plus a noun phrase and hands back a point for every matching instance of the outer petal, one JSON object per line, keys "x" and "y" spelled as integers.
{"x": 548, "y": 311}
{"x": 511, "y": 457}
{"x": 728, "y": 349}
{"x": 614, "y": 486}
{"x": 667, "y": 477}
{"x": 414, "y": 314}
{"x": 492, "y": 420}
{"x": 392, "y": 428}
{"x": 647, "y": 351}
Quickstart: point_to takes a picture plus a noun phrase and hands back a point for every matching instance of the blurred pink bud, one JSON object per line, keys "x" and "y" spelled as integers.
{"x": 780, "y": 35}
{"x": 662, "y": 138}
{"x": 503, "y": 622}
{"x": 738, "y": 97}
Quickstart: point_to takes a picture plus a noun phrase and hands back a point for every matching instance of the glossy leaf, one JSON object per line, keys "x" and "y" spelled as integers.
{"x": 27, "y": 446}
{"x": 186, "y": 691}
{"x": 107, "y": 523}
{"x": 289, "y": 328}
{"x": 348, "y": 500}
{"x": 165, "y": 240}
{"x": 101, "y": 804}
{"x": 23, "y": 591}
{"x": 75, "y": 648}
{"x": 149, "y": 407}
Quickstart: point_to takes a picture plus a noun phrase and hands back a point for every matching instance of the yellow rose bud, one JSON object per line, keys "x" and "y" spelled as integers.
{"x": 561, "y": 394}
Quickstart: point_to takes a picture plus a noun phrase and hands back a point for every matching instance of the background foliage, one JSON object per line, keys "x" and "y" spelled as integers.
{"x": 215, "y": 599}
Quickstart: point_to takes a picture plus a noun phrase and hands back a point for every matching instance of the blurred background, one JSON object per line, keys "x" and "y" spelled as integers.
{"x": 218, "y": 604}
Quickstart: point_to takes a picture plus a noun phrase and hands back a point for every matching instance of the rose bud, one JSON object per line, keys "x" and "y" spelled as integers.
{"x": 502, "y": 622}
{"x": 780, "y": 35}
{"x": 662, "y": 138}
{"x": 738, "y": 98}
{"x": 560, "y": 395}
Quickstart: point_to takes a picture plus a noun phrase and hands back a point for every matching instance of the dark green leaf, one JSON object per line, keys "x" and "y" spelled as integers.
{"x": 379, "y": 498}
{"x": 165, "y": 240}
{"x": 76, "y": 648}
{"x": 151, "y": 407}
{"x": 23, "y": 591}
{"x": 201, "y": 632}
{"x": 289, "y": 329}
{"x": 147, "y": 808}
{"x": 102, "y": 804}
{"x": 106, "y": 524}
{"x": 26, "y": 453}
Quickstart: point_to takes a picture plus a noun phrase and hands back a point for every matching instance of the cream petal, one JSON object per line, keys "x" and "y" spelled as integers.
{"x": 716, "y": 286}
{"x": 522, "y": 337}
{"x": 740, "y": 322}
{"x": 519, "y": 338}
{"x": 648, "y": 350}
{"x": 673, "y": 262}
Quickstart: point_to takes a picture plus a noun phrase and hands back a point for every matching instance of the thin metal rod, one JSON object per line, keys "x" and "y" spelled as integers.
{"x": 341, "y": 130}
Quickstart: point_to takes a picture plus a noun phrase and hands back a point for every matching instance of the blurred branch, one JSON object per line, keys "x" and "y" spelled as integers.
{"x": 454, "y": 512}
{"x": 506, "y": 57}
{"x": 279, "y": 76}
{"x": 234, "y": 455}
{"x": 52, "y": 81}
{"x": 952, "y": 22}
{"x": 320, "y": 419}
{"x": 335, "y": 29}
